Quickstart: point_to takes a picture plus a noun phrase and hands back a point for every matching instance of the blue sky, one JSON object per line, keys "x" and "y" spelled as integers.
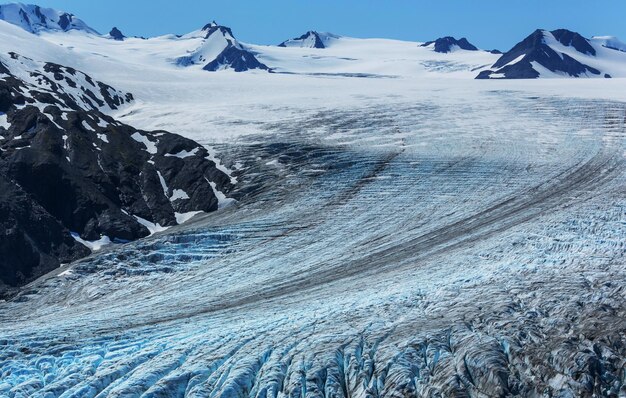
{"x": 487, "y": 24}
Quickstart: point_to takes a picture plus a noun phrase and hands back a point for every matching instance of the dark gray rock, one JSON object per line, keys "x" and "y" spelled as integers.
{"x": 534, "y": 49}
{"x": 573, "y": 39}
{"x": 445, "y": 44}
{"x": 116, "y": 34}
{"x": 239, "y": 60}
{"x": 310, "y": 35}
{"x": 234, "y": 56}
{"x": 81, "y": 171}
{"x": 32, "y": 241}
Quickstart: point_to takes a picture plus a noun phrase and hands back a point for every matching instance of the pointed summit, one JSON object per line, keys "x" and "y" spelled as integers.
{"x": 220, "y": 50}
{"x": 210, "y": 25}
{"x": 116, "y": 34}
{"x": 560, "y": 52}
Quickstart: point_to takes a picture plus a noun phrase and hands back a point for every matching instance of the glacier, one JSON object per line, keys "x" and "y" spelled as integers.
{"x": 396, "y": 229}
{"x": 422, "y": 248}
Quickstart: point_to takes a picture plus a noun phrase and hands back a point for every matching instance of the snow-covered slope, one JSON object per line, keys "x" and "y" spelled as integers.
{"x": 355, "y": 57}
{"x": 219, "y": 50}
{"x": 611, "y": 42}
{"x": 311, "y": 39}
{"x": 560, "y": 53}
{"x": 35, "y": 19}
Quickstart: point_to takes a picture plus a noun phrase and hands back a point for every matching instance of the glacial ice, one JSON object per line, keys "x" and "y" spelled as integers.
{"x": 398, "y": 251}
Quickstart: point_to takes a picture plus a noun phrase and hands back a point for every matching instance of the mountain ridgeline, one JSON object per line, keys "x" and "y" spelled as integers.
{"x": 449, "y": 44}
{"x": 543, "y": 54}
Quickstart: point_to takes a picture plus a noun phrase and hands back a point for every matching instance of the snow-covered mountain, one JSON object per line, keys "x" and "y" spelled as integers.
{"x": 310, "y": 39}
{"x": 450, "y": 44}
{"x": 560, "y": 53}
{"x": 220, "y": 50}
{"x": 35, "y": 19}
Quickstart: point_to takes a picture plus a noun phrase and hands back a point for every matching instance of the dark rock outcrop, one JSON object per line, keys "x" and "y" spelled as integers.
{"x": 116, "y": 34}
{"x": 517, "y": 62}
{"x": 32, "y": 241}
{"x": 573, "y": 39}
{"x": 447, "y": 44}
{"x": 235, "y": 58}
{"x": 310, "y": 39}
{"x": 67, "y": 167}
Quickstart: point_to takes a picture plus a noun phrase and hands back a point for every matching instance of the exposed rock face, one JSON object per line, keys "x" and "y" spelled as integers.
{"x": 116, "y": 34}
{"x": 449, "y": 44}
{"x": 35, "y": 19}
{"x": 536, "y": 49}
{"x": 310, "y": 39}
{"x": 236, "y": 59}
{"x": 573, "y": 39}
{"x": 220, "y": 50}
{"x": 32, "y": 241}
{"x": 67, "y": 167}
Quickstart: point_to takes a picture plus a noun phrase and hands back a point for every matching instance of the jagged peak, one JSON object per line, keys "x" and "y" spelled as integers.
{"x": 545, "y": 49}
{"x": 219, "y": 50}
{"x": 210, "y": 25}
{"x": 116, "y": 34}
{"x": 213, "y": 27}
{"x": 541, "y": 37}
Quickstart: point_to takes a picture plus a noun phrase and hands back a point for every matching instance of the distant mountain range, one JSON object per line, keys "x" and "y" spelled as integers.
{"x": 543, "y": 54}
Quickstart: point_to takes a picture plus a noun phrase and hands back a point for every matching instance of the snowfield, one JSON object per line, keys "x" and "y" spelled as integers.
{"x": 403, "y": 230}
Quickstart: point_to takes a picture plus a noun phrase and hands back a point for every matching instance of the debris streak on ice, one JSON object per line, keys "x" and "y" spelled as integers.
{"x": 420, "y": 249}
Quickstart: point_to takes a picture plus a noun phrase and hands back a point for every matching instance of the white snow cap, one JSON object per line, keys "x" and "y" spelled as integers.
{"x": 35, "y": 19}
{"x": 611, "y": 42}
